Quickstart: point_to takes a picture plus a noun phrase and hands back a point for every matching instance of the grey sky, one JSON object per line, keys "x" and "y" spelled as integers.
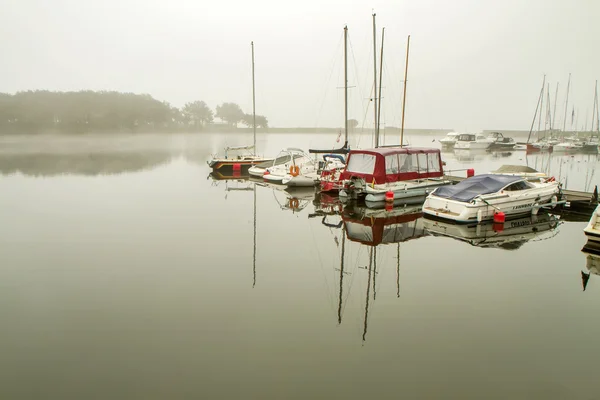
{"x": 474, "y": 64}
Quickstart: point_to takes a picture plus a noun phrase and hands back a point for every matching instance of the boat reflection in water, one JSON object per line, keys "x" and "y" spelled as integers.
{"x": 508, "y": 236}
{"x": 592, "y": 262}
{"x": 372, "y": 228}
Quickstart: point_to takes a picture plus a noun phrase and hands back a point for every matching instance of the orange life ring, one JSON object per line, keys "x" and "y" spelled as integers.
{"x": 294, "y": 170}
{"x": 294, "y": 203}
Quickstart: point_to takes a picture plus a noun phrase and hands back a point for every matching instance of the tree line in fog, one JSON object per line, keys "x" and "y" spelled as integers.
{"x": 89, "y": 111}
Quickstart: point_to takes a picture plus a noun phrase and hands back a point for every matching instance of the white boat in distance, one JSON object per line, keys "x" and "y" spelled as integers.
{"x": 449, "y": 140}
{"x": 478, "y": 198}
{"x": 472, "y": 141}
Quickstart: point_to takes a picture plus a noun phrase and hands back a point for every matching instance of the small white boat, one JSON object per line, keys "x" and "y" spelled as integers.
{"x": 501, "y": 142}
{"x": 258, "y": 170}
{"x": 299, "y": 163}
{"x": 592, "y": 230}
{"x": 331, "y": 164}
{"x": 570, "y": 147}
{"x": 480, "y": 197}
{"x": 449, "y": 140}
{"x": 472, "y": 141}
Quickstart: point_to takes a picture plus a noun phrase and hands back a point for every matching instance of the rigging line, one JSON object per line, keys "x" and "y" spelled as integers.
{"x": 326, "y": 86}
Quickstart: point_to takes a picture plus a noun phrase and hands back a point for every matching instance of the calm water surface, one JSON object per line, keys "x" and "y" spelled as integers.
{"x": 126, "y": 273}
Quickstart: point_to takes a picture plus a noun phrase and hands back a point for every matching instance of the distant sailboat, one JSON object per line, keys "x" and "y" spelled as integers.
{"x": 241, "y": 161}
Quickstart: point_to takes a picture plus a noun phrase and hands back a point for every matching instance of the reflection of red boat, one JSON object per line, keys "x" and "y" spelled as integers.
{"x": 375, "y": 227}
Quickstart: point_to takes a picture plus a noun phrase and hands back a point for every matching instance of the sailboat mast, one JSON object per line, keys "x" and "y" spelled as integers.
{"x": 541, "y": 111}
{"x": 566, "y": 104}
{"x": 536, "y": 109}
{"x": 597, "y": 111}
{"x": 345, "y": 86}
{"x": 375, "y": 82}
{"x": 404, "y": 95}
{"x": 554, "y": 111}
{"x": 548, "y": 121}
{"x": 253, "y": 102}
{"x": 380, "y": 79}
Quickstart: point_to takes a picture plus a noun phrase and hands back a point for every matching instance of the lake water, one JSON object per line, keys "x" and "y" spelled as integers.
{"x": 127, "y": 273}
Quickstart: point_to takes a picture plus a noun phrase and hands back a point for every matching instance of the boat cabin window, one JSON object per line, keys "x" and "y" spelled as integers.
{"x": 422, "y": 158}
{"x": 521, "y": 185}
{"x": 408, "y": 162}
{"x": 481, "y": 137}
{"x": 433, "y": 162}
{"x": 466, "y": 138}
{"x": 361, "y": 163}
{"x": 391, "y": 164}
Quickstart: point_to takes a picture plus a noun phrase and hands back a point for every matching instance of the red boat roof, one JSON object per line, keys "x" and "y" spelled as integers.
{"x": 384, "y": 151}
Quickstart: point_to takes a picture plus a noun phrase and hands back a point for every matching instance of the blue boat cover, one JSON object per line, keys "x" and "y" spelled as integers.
{"x": 472, "y": 187}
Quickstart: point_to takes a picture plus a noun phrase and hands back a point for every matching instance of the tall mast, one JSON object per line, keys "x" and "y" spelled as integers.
{"x": 566, "y": 103}
{"x": 345, "y": 86}
{"x": 554, "y": 111}
{"x": 595, "y": 114}
{"x": 380, "y": 79}
{"x": 253, "y": 102}
{"x": 375, "y": 82}
{"x": 541, "y": 110}
{"x": 548, "y": 121}
{"x": 404, "y": 96}
{"x": 597, "y": 111}
{"x": 536, "y": 108}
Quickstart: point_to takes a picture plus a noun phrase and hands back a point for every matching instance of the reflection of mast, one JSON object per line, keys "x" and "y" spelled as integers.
{"x": 341, "y": 276}
{"x": 254, "y": 253}
{"x": 398, "y": 272}
{"x": 368, "y": 292}
{"x": 374, "y": 271}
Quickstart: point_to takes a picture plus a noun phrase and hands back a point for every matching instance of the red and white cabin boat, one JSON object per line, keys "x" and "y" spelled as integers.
{"x": 409, "y": 173}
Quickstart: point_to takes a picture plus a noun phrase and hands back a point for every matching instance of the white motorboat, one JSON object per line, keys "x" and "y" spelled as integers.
{"x": 472, "y": 141}
{"x": 592, "y": 230}
{"x": 258, "y": 170}
{"x": 501, "y": 142}
{"x": 298, "y": 163}
{"x": 331, "y": 164}
{"x": 509, "y": 236}
{"x": 567, "y": 147}
{"x": 449, "y": 140}
{"x": 480, "y": 197}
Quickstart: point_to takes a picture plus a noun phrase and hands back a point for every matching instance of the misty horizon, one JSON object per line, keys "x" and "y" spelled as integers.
{"x": 473, "y": 65}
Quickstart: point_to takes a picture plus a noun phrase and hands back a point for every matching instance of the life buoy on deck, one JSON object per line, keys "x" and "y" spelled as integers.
{"x": 294, "y": 170}
{"x": 294, "y": 203}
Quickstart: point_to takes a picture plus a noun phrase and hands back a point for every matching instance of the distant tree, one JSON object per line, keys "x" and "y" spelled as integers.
{"x": 230, "y": 113}
{"x": 352, "y": 123}
{"x": 261, "y": 121}
{"x": 198, "y": 112}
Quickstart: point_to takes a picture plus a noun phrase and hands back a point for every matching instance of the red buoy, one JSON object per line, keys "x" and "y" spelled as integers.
{"x": 237, "y": 167}
{"x": 389, "y": 206}
{"x": 266, "y": 172}
{"x": 389, "y": 196}
{"x": 470, "y": 172}
{"x": 498, "y": 227}
{"x": 499, "y": 217}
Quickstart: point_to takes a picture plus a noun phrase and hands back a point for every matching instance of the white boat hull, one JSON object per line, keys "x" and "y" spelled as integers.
{"x": 411, "y": 191}
{"x": 472, "y": 145}
{"x": 483, "y": 208}
{"x": 305, "y": 180}
{"x": 592, "y": 230}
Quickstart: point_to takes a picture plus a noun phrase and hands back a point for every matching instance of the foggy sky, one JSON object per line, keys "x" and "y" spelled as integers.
{"x": 474, "y": 64}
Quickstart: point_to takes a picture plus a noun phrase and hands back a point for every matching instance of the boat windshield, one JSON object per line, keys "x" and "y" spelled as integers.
{"x": 361, "y": 163}
{"x": 521, "y": 185}
{"x": 466, "y": 138}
